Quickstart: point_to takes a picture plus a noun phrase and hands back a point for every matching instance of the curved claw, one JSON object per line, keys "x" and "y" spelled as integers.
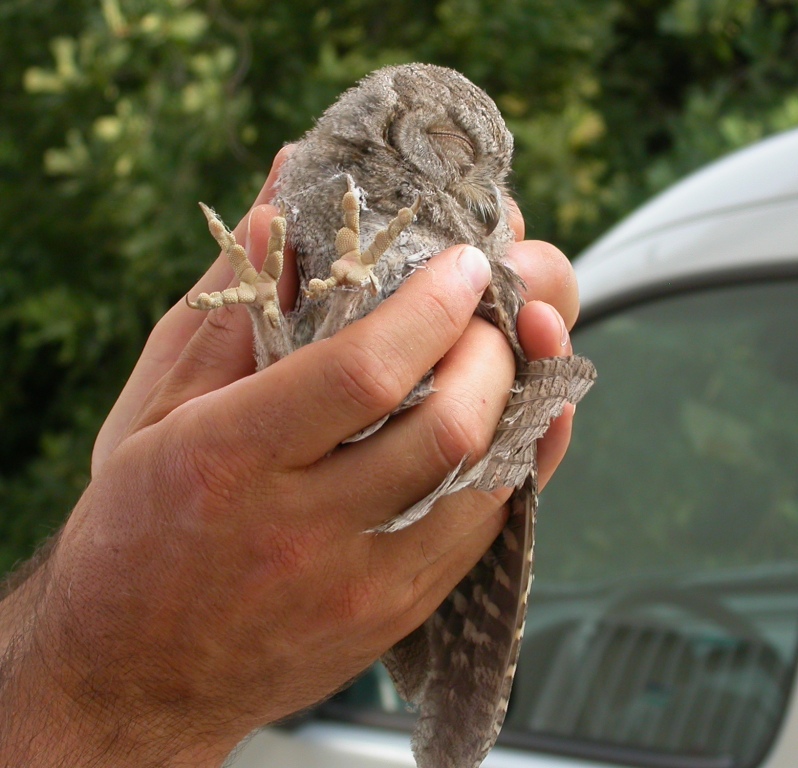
{"x": 203, "y": 302}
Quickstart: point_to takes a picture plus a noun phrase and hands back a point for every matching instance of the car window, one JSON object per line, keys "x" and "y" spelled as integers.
{"x": 663, "y": 620}
{"x": 664, "y": 615}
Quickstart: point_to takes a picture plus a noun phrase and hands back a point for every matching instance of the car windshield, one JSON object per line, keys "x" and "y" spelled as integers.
{"x": 663, "y": 620}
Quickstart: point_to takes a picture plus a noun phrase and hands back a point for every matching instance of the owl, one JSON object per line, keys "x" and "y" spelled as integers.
{"x": 416, "y": 159}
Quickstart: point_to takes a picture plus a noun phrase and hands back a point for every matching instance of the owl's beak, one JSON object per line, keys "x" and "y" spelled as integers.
{"x": 483, "y": 199}
{"x": 489, "y": 211}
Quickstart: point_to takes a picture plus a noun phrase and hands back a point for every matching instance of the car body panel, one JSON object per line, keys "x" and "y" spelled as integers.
{"x": 736, "y": 213}
{"x": 324, "y": 745}
{"x": 784, "y": 751}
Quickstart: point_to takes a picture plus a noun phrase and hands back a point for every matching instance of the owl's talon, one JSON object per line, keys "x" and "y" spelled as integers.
{"x": 318, "y": 289}
{"x": 355, "y": 268}
{"x": 257, "y": 289}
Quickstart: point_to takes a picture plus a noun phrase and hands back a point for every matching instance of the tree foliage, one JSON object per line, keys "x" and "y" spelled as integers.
{"x": 118, "y": 115}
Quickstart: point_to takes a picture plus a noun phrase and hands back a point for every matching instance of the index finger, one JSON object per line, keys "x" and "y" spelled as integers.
{"x": 515, "y": 219}
{"x": 364, "y": 371}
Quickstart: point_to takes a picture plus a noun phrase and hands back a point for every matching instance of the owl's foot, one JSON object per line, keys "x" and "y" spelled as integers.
{"x": 257, "y": 289}
{"x": 355, "y": 268}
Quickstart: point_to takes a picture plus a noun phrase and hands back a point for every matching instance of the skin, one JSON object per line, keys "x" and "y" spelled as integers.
{"x": 215, "y": 575}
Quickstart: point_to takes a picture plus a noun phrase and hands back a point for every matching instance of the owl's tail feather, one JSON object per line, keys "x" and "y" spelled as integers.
{"x": 473, "y": 641}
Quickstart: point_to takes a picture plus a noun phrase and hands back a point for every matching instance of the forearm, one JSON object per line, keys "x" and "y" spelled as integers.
{"x": 33, "y": 707}
{"x": 57, "y": 708}
{"x": 40, "y": 731}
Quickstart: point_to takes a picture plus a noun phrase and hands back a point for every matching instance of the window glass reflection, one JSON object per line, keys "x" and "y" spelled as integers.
{"x": 664, "y": 614}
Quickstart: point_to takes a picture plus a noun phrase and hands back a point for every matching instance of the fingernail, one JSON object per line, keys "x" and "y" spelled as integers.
{"x": 565, "y": 337}
{"x": 474, "y": 267}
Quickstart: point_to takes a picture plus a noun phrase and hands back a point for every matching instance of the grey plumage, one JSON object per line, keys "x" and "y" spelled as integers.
{"x": 424, "y": 138}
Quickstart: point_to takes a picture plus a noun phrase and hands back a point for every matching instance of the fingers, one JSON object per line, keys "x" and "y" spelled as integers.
{"x": 220, "y": 351}
{"x": 363, "y": 372}
{"x": 446, "y": 543}
{"x": 173, "y": 332}
{"x": 548, "y": 275}
{"x": 542, "y": 333}
{"x": 410, "y": 456}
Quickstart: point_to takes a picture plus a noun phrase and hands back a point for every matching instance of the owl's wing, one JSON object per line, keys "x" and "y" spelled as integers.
{"x": 408, "y": 663}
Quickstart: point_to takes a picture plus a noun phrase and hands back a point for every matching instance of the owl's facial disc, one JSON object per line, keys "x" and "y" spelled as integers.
{"x": 455, "y": 148}
{"x": 450, "y": 159}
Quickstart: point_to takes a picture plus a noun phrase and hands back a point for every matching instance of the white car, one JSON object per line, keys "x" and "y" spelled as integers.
{"x": 663, "y": 623}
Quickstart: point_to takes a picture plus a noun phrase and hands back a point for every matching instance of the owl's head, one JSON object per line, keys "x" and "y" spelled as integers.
{"x": 422, "y": 130}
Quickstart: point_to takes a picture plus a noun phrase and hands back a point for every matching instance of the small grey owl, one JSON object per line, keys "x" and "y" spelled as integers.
{"x": 417, "y": 157}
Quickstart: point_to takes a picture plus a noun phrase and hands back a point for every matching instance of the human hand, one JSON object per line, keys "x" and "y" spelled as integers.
{"x": 215, "y": 575}
{"x": 552, "y": 308}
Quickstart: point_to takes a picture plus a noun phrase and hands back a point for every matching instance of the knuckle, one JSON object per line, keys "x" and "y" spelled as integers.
{"x": 220, "y": 325}
{"x": 550, "y": 253}
{"x": 366, "y": 378}
{"x": 557, "y": 263}
{"x": 213, "y": 469}
{"x": 458, "y": 431}
{"x": 210, "y": 347}
{"x": 283, "y": 154}
{"x": 292, "y": 553}
{"x": 366, "y": 595}
{"x": 287, "y": 546}
{"x": 212, "y": 481}
{"x": 550, "y": 277}
{"x": 354, "y": 602}
{"x": 412, "y": 599}
{"x": 441, "y": 314}
{"x": 560, "y": 265}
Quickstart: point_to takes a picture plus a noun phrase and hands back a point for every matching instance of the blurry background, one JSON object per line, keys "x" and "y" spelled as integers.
{"x": 117, "y": 116}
